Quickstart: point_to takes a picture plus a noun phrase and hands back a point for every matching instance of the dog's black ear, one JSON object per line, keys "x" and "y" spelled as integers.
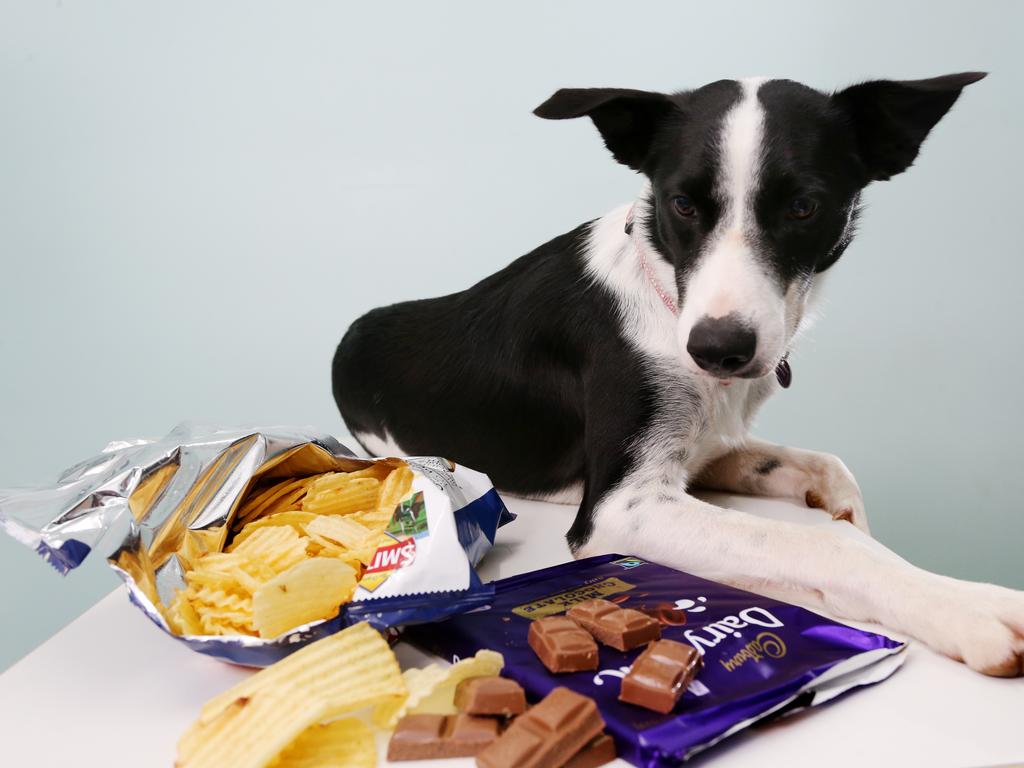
{"x": 892, "y": 118}
{"x": 627, "y": 119}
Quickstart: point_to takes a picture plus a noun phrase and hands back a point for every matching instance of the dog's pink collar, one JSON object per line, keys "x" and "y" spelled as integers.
{"x": 783, "y": 371}
{"x": 667, "y": 300}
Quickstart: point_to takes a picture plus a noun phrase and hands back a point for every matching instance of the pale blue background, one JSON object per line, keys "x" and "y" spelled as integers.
{"x": 196, "y": 199}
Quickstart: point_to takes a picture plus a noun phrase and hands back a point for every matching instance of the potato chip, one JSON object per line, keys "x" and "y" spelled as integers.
{"x": 269, "y": 501}
{"x": 345, "y": 743}
{"x": 212, "y": 574}
{"x": 419, "y": 683}
{"x": 333, "y": 480}
{"x": 348, "y": 533}
{"x": 432, "y": 688}
{"x": 354, "y": 668}
{"x": 251, "y": 731}
{"x": 354, "y": 496}
{"x": 321, "y": 547}
{"x": 311, "y": 590}
{"x": 185, "y": 620}
{"x": 192, "y": 548}
{"x": 393, "y": 489}
{"x": 245, "y": 575}
{"x": 343, "y": 518}
{"x": 216, "y": 611}
{"x": 441, "y": 699}
{"x": 263, "y": 718}
{"x": 363, "y": 556}
{"x": 373, "y": 519}
{"x": 223, "y": 600}
{"x": 213, "y": 624}
{"x": 356, "y": 558}
{"x": 192, "y": 741}
{"x": 262, "y": 539}
{"x": 292, "y": 517}
{"x": 291, "y": 500}
{"x": 278, "y": 546}
{"x": 261, "y": 570}
{"x": 256, "y": 499}
{"x": 211, "y": 561}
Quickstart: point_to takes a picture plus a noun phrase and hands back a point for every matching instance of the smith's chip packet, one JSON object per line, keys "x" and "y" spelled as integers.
{"x": 761, "y": 657}
{"x": 146, "y": 505}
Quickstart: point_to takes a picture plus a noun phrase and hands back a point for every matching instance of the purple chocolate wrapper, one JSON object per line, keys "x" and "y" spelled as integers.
{"x": 762, "y": 657}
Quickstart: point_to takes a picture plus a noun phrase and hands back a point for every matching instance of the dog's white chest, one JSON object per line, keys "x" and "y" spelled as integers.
{"x": 705, "y": 419}
{"x": 729, "y": 413}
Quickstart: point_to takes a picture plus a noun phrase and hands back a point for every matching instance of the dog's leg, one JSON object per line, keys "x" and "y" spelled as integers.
{"x": 820, "y": 480}
{"x": 980, "y": 624}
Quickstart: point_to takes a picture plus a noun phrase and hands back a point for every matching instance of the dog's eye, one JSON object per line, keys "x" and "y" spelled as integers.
{"x": 802, "y": 208}
{"x": 684, "y": 206}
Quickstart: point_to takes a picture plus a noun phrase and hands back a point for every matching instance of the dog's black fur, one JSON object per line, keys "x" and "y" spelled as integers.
{"x": 500, "y": 376}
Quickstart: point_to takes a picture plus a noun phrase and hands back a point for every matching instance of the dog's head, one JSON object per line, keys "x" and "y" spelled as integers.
{"x": 754, "y": 188}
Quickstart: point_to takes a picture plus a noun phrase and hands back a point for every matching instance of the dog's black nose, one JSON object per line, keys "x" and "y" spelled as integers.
{"x": 723, "y": 346}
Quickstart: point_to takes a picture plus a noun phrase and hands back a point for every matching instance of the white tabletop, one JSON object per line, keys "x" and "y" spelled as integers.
{"x": 111, "y": 690}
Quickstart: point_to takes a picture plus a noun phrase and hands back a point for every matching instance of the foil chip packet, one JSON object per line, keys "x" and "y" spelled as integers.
{"x": 151, "y": 508}
{"x": 761, "y": 657}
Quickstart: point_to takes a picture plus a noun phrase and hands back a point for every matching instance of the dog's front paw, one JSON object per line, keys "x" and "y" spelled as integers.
{"x": 984, "y": 628}
{"x": 834, "y": 490}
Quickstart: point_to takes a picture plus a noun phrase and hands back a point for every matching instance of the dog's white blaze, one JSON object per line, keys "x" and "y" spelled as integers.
{"x": 742, "y": 137}
{"x": 729, "y": 279}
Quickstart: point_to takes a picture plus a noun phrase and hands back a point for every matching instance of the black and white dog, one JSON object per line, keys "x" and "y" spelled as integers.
{"x": 621, "y": 363}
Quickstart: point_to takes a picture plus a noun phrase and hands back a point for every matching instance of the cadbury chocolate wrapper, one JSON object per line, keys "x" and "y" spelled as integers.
{"x": 138, "y": 503}
{"x": 761, "y": 657}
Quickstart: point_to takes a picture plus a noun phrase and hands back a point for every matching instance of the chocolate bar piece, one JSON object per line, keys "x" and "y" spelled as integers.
{"x": 547, "y": 735}
{"x": 427, "y": 737}
{"x": 561, "y": 645}
{"x": 490, "y": 696}
{"x": 598, "y": 751}
{"x": 660, "y": 674}
{"x": 621, "y": 628}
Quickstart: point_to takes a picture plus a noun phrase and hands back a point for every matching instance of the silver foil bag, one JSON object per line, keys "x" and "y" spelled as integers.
{"x": 139, "y": 503}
